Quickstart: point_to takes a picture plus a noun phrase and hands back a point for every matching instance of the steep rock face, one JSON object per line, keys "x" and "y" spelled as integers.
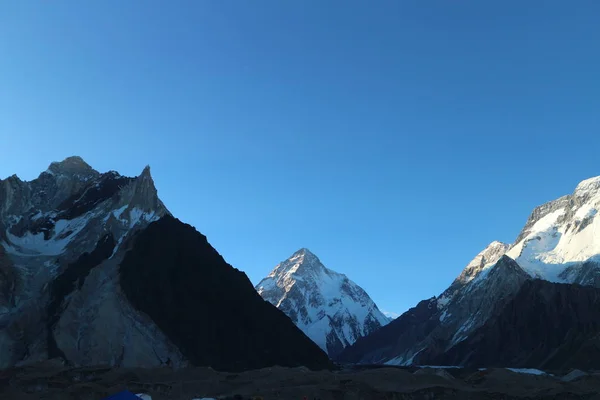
{"x": 331, "y": 309}
{"x": 8, "y": 283}
{"x": 52, "y": 187}
{"x": 396, "y": 337}
{"x": 63, "y": 239}
{"x": 209, "y": 309}
{"x": 65, "y": 210}
{"x": 441, "y": 328}
{"x": 51, "y": 230}
{"x": 488, "y": 292}
{"x": 488, "y": 257}
{"x": 546, "y": 326}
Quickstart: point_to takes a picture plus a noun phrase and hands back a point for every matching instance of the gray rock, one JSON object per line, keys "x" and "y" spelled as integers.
{"x": 45, "y": 225}
{"x": 574, "y": 375}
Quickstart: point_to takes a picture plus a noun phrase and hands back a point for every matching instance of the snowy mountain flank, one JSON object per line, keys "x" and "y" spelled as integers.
{"x": 560, "y": 246}
{"x": 561, "y": 240}
{"x": 89, "y": 263}
{"x": 327, "y": 306}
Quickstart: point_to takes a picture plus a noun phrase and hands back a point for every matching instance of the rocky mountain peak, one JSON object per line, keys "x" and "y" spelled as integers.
{"x": 146, "y": 173}
{"x": 302, "y": 262}
{"x": 588, "y": 185}
{"x": 145, "y": 193}
{"x": 491, "y": 254}
{"x": 497, "y": 244}
{"x": 13, "y": 178}
{"x": 71, "y": 213}
{"x": 488, "y": 256}
{"x": 508, "y": 263}
{"x": 331, "y": 309}
{"x": 88, "y": 261}
{"x": 304, "y": 252}
{"x": 565, "y": 211}
{"x": 305, "y": 257}
{"x": 72, "y": 166}
{"x": 559, "y": 242}
{"x": 486, "y": 315}
{"x": 70, "y": 206}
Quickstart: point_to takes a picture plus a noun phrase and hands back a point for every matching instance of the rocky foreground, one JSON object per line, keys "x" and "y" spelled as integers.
{"x": 51, "y": 381}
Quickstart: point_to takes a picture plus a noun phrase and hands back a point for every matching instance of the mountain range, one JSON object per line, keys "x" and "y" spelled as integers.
{"x": 530, "y": 304}
{"x": 95, "y": 270}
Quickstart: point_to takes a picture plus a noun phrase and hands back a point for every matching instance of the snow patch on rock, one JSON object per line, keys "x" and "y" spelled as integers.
{"x": 529, "y": 371}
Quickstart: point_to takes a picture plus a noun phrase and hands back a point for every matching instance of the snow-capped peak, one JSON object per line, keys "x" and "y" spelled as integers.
{"x": 588, "y": 186}
{"x": 490, "y": 255}
{"x": 305, "y": 257}
{"x": 486, "y": 258}
{"x": 331, "y": 309}
{"x": 70, "y": 206}
{"x": 302, "y": 261}
{"x": 561, "y": 240}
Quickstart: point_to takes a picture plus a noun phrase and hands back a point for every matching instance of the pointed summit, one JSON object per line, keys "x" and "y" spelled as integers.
{"x": 487, "y": 257}
{"x": 490, "y": 255}
{"x": 304, "y": 250}
{"x": 305, "y": 255}
{"x": 145, "y": 193}
{"x": 301, "y": 262}
{"x": 145, "y": 183}
{"x": 73, "y": 165}
{"x": 508, "y": 264}
{"x": 146, "y": 173}
{"x": 331, "y": 309}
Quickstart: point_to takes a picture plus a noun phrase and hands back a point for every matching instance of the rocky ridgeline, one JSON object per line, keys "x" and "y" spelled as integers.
{"x": 94, "y": 270}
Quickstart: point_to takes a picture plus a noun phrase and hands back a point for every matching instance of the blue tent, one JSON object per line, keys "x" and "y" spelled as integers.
{"x": 124, "y": 395}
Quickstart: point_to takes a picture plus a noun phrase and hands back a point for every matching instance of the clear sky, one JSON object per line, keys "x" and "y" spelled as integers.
{"x": 395, "y": 139}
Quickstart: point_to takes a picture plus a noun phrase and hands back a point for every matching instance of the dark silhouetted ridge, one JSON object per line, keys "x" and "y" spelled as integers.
{"x": 207, "y": 308}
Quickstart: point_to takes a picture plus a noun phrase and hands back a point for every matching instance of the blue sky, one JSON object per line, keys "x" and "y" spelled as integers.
{"x": 395, "y": 139}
